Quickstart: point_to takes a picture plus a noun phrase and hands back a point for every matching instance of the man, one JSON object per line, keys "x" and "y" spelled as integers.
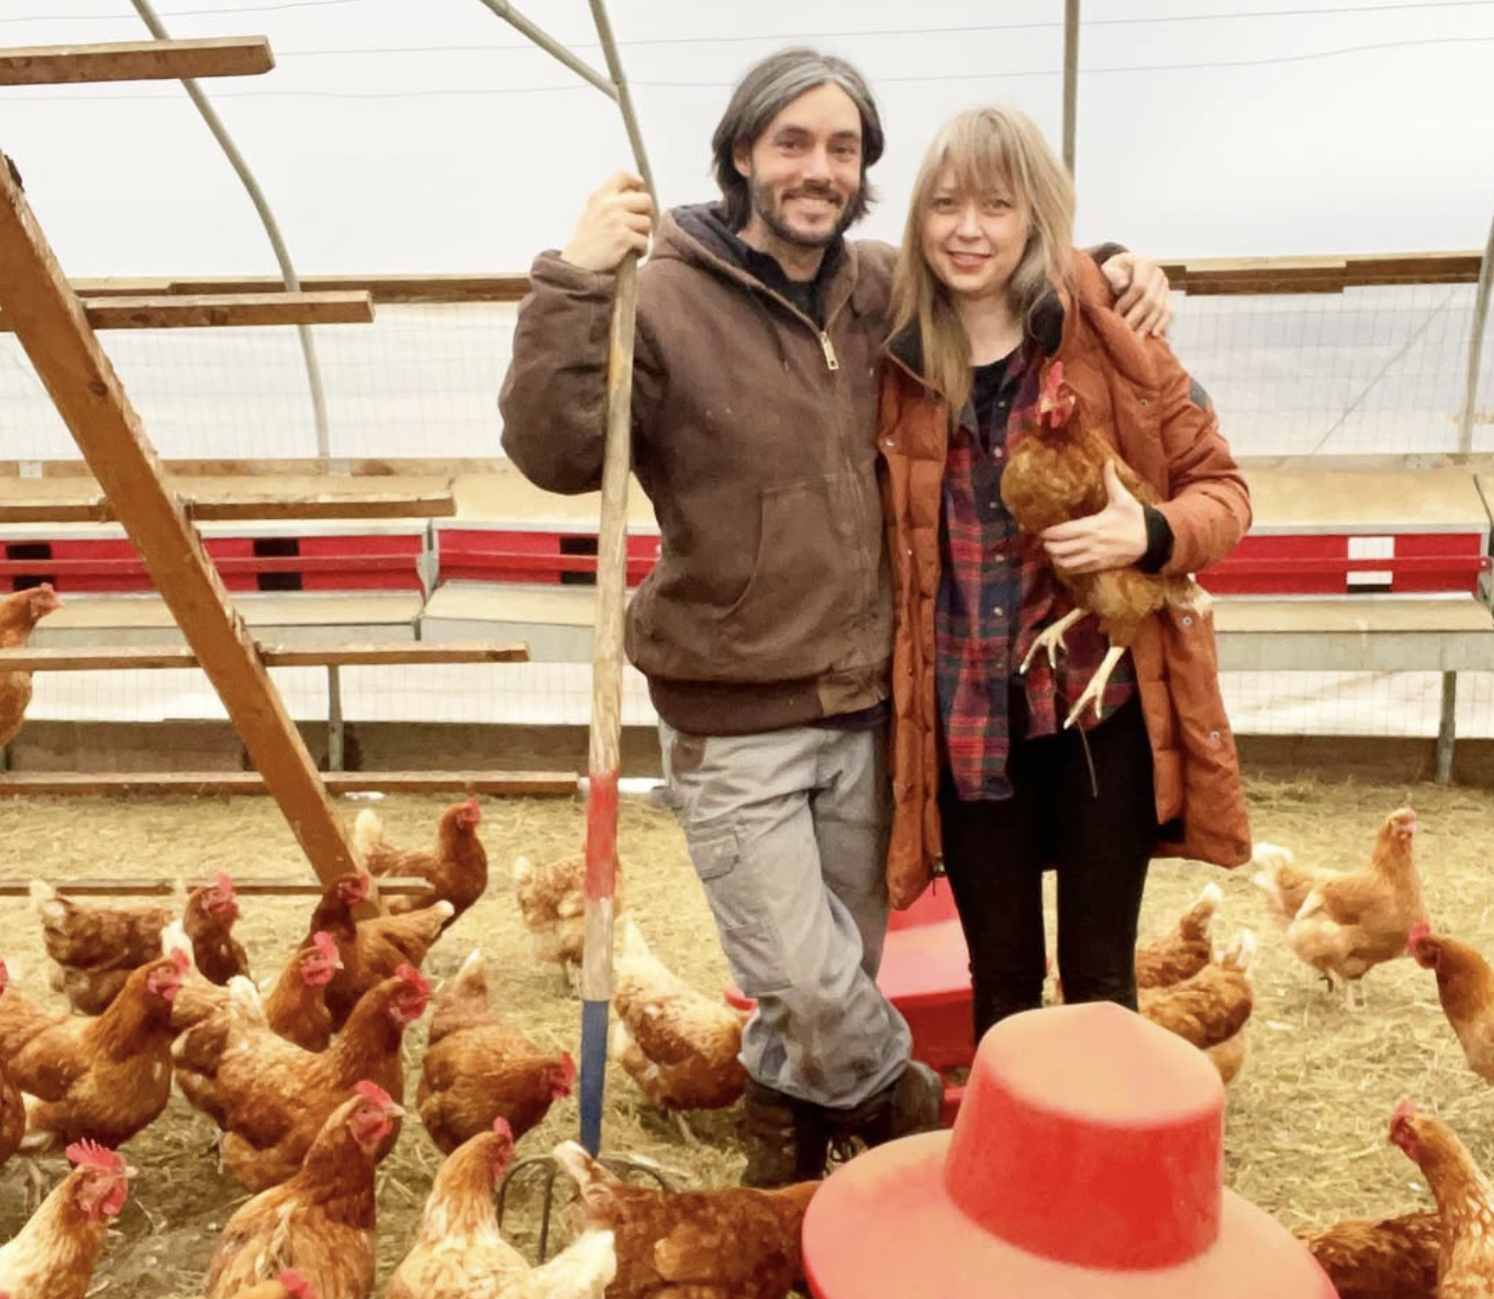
{"x": 764, "y": 630}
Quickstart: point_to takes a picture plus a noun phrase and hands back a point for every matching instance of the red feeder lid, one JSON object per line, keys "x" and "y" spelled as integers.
{"x": 1087, "y": 1161}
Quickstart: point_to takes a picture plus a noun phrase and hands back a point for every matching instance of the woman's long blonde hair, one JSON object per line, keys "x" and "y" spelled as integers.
{"x": 986, "y": 148}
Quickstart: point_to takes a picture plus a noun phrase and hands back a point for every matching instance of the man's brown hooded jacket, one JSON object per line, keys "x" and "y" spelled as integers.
{"x": 754, "y": 436}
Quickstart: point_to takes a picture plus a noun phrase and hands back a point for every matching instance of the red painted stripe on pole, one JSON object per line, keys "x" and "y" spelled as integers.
{"x": 601, "y": 836}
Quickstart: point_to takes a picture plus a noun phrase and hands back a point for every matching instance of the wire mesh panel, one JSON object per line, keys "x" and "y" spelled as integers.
{"x": 1369, "y": 371}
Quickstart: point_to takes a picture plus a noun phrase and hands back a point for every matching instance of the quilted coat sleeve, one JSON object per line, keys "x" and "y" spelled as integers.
{"x": 1208, "y": 503}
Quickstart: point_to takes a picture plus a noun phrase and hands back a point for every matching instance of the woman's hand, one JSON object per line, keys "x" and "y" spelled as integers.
{"x": 616, "y": 221}
{"x": 1113, "y": 538}
{"x": 1142, "y": 294}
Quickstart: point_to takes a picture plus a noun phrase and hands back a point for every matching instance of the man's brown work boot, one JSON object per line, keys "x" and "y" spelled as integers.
{"x": 912, "y": 1103}
{"x": 786, "y": 1138}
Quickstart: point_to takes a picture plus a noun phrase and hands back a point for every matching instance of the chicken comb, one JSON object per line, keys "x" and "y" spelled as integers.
{"x": 373, "y": 1092}
{"x": 1405, "y": 1110}
{"x": 223, "y": 882}
{"x": 502, "y": 1129}
{"x": 413, "y": 977}
{"x": 4, "y": 973}
{"x": 1418, "y": 932}
{"x": 325, "y": 944}
{"x": 89, "y": 1154}
{"x": 295, "y": 1284}
{"x": 1054, "y": 405}
{"x": 181, "y": 960}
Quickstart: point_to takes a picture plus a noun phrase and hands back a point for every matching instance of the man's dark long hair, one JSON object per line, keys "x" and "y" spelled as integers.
{"x": 762, "y": 94}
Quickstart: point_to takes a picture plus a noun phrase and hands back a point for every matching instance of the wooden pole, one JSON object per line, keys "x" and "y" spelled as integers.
{"x": 607, "y": 653}
{"x": 612, "y": 594}
{"x": 606, "y": 709}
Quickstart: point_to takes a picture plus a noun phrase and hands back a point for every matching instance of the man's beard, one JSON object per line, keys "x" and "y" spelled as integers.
{"x": 762, "y": 205}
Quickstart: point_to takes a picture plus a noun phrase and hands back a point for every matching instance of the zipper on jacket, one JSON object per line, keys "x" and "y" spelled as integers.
{"x": 831, "y": 361}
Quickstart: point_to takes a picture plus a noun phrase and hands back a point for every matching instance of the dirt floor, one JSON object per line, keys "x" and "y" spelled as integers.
{"x": 1307, "y": 1119}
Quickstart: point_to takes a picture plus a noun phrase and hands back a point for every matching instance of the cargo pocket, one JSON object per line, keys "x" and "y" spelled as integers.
{"x": 748, "y": 935}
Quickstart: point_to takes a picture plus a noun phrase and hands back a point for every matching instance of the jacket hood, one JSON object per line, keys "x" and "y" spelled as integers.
{"x": 699, "y": 236}
{"x": 688, "y": 232}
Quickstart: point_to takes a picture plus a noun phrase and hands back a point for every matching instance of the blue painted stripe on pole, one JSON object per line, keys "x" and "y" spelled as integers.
{"x": 593, "y": 1071}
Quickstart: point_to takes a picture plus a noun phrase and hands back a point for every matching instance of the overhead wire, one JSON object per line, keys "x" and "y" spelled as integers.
{"x": 1418, "y": 6}
{"x": 1001, "y": 74}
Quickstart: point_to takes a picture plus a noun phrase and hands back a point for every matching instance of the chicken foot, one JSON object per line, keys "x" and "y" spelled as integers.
{"x": 1051, "y": 639}
{"x": 1354, "y": 1002}
{"x": 1094, "y": 692}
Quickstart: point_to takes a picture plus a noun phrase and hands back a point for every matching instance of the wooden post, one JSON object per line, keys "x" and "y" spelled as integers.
{"x": 49, "y": 321}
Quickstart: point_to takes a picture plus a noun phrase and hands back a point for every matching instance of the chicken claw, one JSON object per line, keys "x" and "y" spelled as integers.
{"x": 1051, "y": 639}
{"x": 1094, "y": 692}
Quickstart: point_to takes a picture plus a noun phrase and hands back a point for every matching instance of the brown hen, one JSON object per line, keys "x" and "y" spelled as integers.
{"x": 731, "y": 1243}
{"x": 679, "y": 1045}
{"x": 1184, "y": 952}
{"x": 54, "y": 1254}
{"x": 100, "y": 1079}
{"x": 1055, "y": 473}
{"x": 477, "y": 1068}
{"x": 1465, "y": 1202}
{"x": 1465, "y": 987}
{"x": 461, "y": 1254}
{"x": 19, "y": 614}
{"x": 1392, "y": 1258}
{"x": 320, "y": 1221}
{"x": 457, "y": 868}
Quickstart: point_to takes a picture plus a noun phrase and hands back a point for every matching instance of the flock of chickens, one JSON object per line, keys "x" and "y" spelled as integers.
{"x": 304, "y": 1076}
{"x": 1343, "y": 925}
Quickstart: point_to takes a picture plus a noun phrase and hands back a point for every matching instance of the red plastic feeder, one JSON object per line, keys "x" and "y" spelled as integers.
{"x": 1087, "y": 1161}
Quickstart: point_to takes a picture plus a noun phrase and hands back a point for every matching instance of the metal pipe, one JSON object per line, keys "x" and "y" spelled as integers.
{"x": 551, "y": 46}
{"x": 1476, "y": 346}
{"x": 1070, "y": 79}
{"x": 1447, "y": 728}
{"x": 267, "y": 219}
{"x": 335, "y": 748}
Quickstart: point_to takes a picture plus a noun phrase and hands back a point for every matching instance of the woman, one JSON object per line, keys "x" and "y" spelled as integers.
{"x": 988, "y": 297}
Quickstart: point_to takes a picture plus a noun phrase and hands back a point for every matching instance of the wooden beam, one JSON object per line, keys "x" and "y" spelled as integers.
{"x": 306, "y": 468}
{"x": 413, "y": 652}
{"x": 1328, "y": 273}
{"x": 60, "y": 500}
{"x": 1331, "y": 274}
{"x": 389, "y": 886}
{"x": 53, "y": 65}
{"x": 94, "y": 658}
{"x": 511, "y": 783}
{"x": 385, "y": 288}
{"x": 222, "y": 310}
{"x": 49, "y": 321}
{"x": 341, "y": 505}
